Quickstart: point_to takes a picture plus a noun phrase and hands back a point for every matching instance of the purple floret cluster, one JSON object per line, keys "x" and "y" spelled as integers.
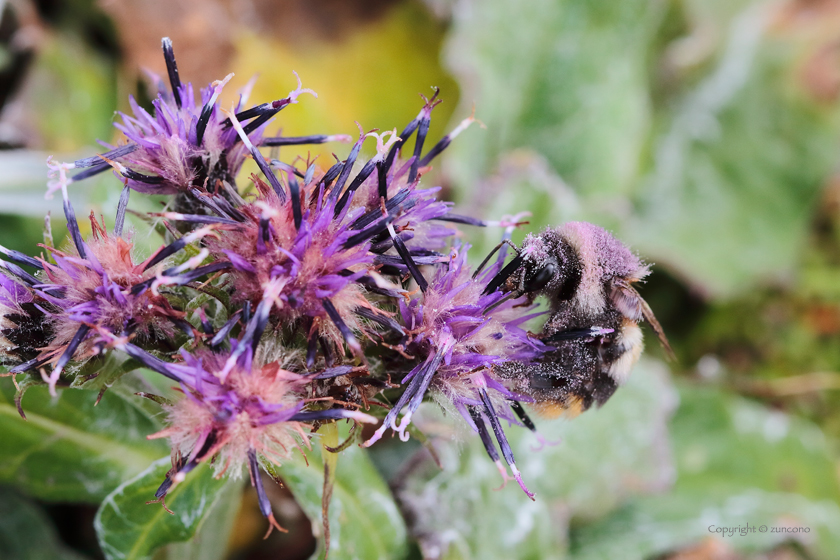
{"x": 301, "y": 296}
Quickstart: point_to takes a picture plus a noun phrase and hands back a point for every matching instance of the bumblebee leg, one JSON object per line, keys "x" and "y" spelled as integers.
{"x": 489, "y": 446}
{"x": 574, "y": 334}
{"x": 516, "y": 406}
{"x": 507, "y": 453}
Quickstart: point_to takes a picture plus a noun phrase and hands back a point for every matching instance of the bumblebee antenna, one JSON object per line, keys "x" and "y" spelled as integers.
{"x": 493, "y": 252}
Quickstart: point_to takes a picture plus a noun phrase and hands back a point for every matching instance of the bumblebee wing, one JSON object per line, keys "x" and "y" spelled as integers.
{"x": 657, "y": 328}
{"x": 627, "y": 300}
{"x": 633, "y": 306}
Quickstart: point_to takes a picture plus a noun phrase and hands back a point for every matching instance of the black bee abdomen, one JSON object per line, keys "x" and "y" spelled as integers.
{"x": 576, "y": 373}
{"x": 601, "y": 387}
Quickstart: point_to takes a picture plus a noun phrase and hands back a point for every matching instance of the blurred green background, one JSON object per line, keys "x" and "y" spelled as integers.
{"x": 704, "y": 133}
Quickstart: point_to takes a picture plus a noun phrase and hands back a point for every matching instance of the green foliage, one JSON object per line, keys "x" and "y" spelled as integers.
{"x": 128, "y": 528}
{"x": 26, "y": 533}
{"x": 210, "y": 542}
{"x": 71, "y": 449}
{"x": 574, "y": 88}
{"x": 725, "y": 444}
{"x": 650, "y": 526}
{"x": 737, "y": 464}
{"x": 741, "y": 159}
{"x": 364, "y": 519}
{"x": 716, "y": 179}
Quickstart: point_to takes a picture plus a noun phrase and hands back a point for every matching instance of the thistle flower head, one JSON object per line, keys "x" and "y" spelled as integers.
{"x": 179, "y": 146}
{"x": 393, "y": 180}
{"x": 251, "y": 409}
{"x": 459, "y": 333}
{"x": 314, "y": 260}
{"x": 235, "y": 409}
{"x": 94, "y": 287}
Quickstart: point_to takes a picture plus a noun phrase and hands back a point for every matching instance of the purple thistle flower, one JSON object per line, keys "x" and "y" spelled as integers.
{"x": 309, "y": 256}
{"x": 408, "y": 222}
{"x": 93, "y": 286}
{"x": 236, "y": 409}
{"x": 184, "y": 144}
{"x": 459, "y": 334}
{"x": 322, "y": 240}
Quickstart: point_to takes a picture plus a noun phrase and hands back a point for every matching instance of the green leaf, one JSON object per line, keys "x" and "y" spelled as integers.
{"x": 211, "y": 293}
{"x": 364, "y": 519}
{"x": 725, "y": 444}
{"x": 26, "y": 533}
{"x": 130, "y": 529}
{"x": 742, "y": 158}
{"x": 211, "y": 540}
{"x": 574, "y": 88}
{"x": 652, "y": 526}
{"x": 68, "y": 448}
{"x": 567, "y": 111}
{"x": 731, "y": 154}
{"x": 738, "y": 463}
{"x": 109, "y": 369}
{"x": 602, "y": 457}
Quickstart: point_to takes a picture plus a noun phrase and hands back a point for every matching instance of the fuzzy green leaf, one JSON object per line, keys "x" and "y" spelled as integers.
{"x": 716, "y": 176}
{"x": 130, "y": 529}
{"x": 70, "y": 449}
{"x": 211, "y": 540}
{"x": 574, "y": 88}
{"x": 738, "y": 464}
{"x": 742, "y": 158}
{"x": 651, "y": 526}
{"x": 724, "y": 444}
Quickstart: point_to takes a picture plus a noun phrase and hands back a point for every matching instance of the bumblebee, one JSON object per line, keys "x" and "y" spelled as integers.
{"x": 587, "y": 275}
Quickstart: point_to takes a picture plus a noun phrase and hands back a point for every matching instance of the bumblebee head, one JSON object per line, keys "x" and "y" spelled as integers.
{"x": 545, "y": 265}
{"x": 550, "y": 266}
